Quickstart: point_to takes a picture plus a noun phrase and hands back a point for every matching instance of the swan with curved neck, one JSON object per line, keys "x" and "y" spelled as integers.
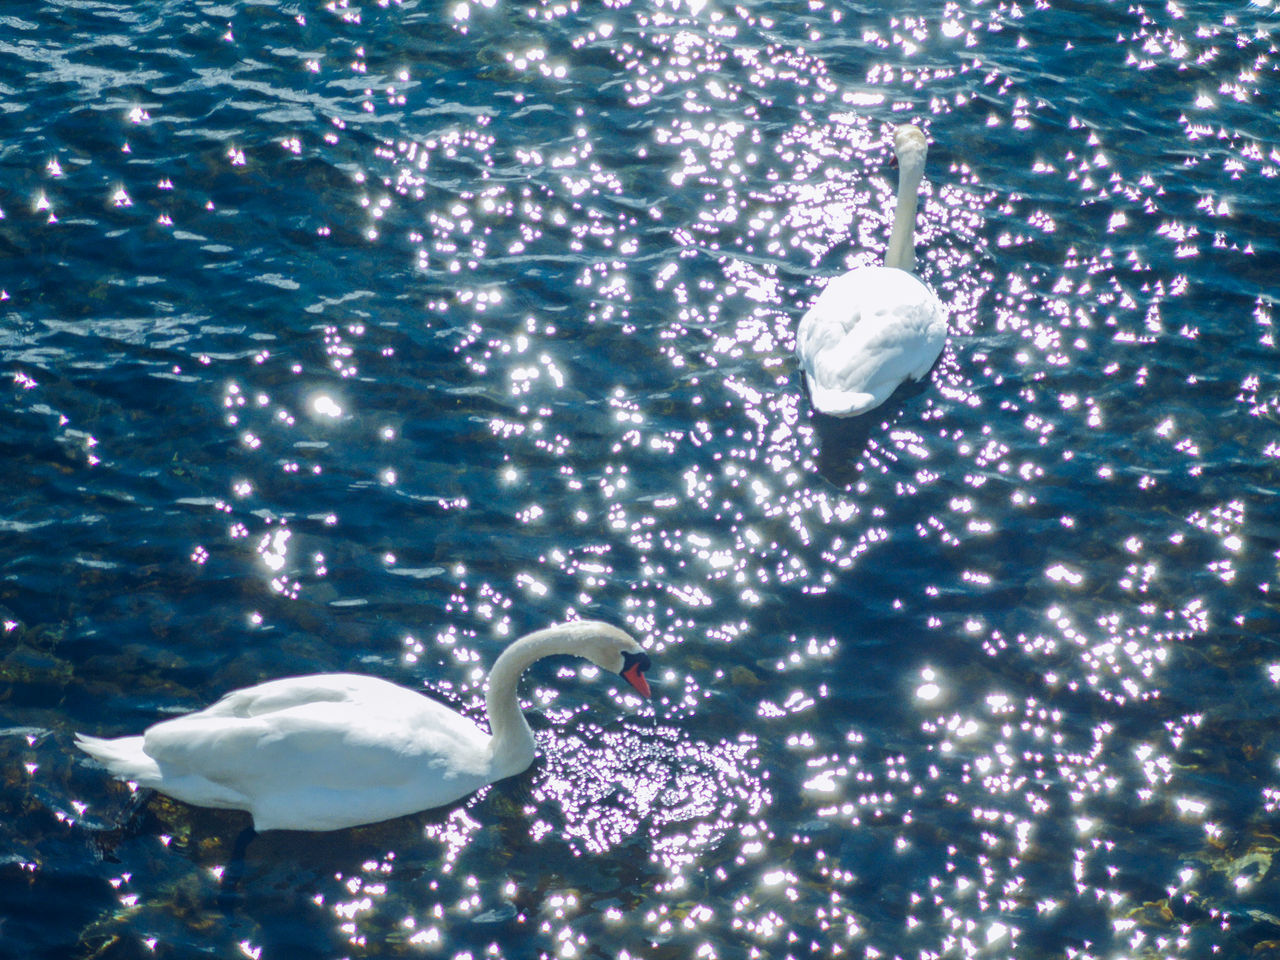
{"x": 874, "y": 327}
{"x": 334, "y": 750}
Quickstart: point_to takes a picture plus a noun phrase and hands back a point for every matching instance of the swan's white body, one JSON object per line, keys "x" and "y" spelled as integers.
{"x": 874, "y": 327}
{"x": 336, "y": 750}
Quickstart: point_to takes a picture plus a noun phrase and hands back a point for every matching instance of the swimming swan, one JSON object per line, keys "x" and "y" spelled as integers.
{"x": 335, "y": 750}
{"x": 873, "y": 327}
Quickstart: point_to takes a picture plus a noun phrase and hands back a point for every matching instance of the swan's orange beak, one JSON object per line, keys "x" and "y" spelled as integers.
{"x": 633, "y": 667}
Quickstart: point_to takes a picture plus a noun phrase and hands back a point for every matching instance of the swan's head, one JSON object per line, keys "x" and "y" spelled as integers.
{"x": 614, "y": 650}
{"x": 910, "y": 146}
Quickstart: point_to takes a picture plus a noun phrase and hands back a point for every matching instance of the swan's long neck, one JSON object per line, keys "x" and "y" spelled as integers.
{"x": 902, "y": 239}
{"x": 512, "y": 746}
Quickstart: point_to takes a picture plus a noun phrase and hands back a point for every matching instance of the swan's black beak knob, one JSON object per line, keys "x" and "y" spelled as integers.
{"x": 633, "y": 667}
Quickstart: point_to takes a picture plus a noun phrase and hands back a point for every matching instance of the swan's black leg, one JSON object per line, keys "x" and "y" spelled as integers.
{"x": 135, "y": 811}
{"x": 235, "y": 870}
{"x": 131, "y": 823}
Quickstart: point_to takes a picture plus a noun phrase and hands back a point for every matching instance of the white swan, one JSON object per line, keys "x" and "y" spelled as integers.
{"x": 873, "y": 327}
{"x": 335, "y": 750}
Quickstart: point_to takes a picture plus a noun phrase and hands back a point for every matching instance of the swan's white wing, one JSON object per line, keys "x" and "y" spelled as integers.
{"x": 869, "y": 330}
{"x": 297, "y": 691}
{"x": 293, "y": 733}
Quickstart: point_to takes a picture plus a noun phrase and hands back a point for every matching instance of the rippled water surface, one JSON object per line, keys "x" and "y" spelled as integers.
{"x": 370, "y": 336}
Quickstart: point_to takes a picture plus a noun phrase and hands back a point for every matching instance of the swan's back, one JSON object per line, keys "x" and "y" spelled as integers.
{"x": 869, "y": 330}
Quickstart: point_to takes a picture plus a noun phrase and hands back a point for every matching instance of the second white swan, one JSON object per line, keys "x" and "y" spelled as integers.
{"x": 874, "y": 327}
{"x": 335, "y": 750}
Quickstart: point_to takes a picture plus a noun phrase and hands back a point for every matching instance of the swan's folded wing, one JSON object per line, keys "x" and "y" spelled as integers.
{"x": 871, "y": 357}
{"x": 323, "y": 745}
{"x": 855, "y": 367}
{"x": 289, "y": 692}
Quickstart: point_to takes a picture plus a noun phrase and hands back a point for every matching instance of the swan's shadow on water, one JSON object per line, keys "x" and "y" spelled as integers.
{"x": 248, "y": 863}
{"x": 843, "y": 441}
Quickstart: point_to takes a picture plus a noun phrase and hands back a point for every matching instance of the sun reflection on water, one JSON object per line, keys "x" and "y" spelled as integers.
{"x": 935, "y": 688}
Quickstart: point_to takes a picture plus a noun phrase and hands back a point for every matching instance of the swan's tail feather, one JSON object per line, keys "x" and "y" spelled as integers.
{"x": 839, "y": 403}
{"x": 124, "y": 757}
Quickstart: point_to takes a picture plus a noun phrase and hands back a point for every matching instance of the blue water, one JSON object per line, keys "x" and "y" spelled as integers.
{"x": 369, "y": 336}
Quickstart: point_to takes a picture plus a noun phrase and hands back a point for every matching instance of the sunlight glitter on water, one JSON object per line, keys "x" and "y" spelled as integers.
{"x": 631, "y": 409}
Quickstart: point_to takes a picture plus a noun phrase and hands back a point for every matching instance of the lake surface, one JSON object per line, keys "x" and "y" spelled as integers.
{"x": 369, "y": 336}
